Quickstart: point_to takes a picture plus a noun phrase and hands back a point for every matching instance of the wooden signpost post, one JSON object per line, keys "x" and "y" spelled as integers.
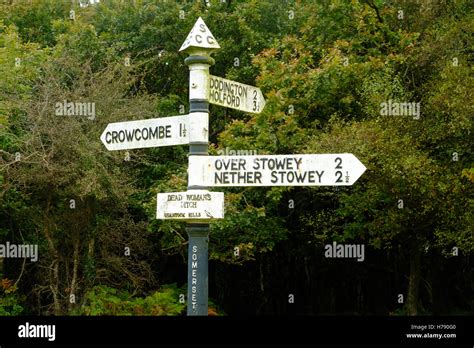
{"x": 197, "y": 206}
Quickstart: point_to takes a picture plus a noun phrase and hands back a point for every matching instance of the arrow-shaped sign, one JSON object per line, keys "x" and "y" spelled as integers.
{"x": 275, "y": 170}
{"x": 155, "y": 132}
{"x": 235, "y": 95}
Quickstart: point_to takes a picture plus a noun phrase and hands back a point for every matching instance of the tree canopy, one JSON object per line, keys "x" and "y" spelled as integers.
{"x": 326, "y": 69}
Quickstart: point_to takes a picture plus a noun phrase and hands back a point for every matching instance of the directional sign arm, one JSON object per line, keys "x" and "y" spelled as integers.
{"x": 275, "y": 170}
{"x": 190, "y": 205}
{"x": 155, "y": 132}
{"x": 235, "y": 95}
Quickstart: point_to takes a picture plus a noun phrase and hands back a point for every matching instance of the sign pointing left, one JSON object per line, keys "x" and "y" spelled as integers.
{"x": 154, "y": 132}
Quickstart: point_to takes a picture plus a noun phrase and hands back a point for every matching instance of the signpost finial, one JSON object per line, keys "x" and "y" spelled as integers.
{"x": 200, "y": 37}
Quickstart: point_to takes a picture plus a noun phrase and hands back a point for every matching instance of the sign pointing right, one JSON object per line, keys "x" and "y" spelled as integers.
{"x": 235, "y": 95}
{"x": 275, "y": 170}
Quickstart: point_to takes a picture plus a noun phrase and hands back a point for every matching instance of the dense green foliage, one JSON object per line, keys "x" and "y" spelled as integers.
{"x": 9, "y": 299}
{"x": 324, "y": 67}
{"x": 102, "y": 300}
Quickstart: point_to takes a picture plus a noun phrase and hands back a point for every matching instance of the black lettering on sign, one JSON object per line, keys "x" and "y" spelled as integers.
{"x": 189, "y": 205}
{"x": 114, "y": 136}
{"x": 232, "y": 164}
{"x": 288, "y": 177}
{"x": 175, "y": 215}
{"x": 182, "y": 130}
{"x": 256, "y": 164}
{"x": 146, "y": 133}
{"x": 150, "y": 133}
{"x": 224, "y": 91}
{"x": 237, "y": 177}
{"x": 254, "y": 102}
{"x": 198, "y": 197}
{"x": 274, "y": 178}
{"x": 138, "y": 134}
{"x": 300, "y": 177}
{"x": 174, "y": 197}
{"x": 220, "y": 178}
{"x": 287, "y": 163}
{"x": 319, "y": 175}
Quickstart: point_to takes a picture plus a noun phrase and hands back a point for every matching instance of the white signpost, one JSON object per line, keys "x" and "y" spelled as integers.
{"x": 155, "y": 132}
{"x": 235, "y": 95}
{"x": 190, "y": 205}
{"x": 275, "y": 170}
{"x": 198, "y": 45}
{"x": 197, "y": 206}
